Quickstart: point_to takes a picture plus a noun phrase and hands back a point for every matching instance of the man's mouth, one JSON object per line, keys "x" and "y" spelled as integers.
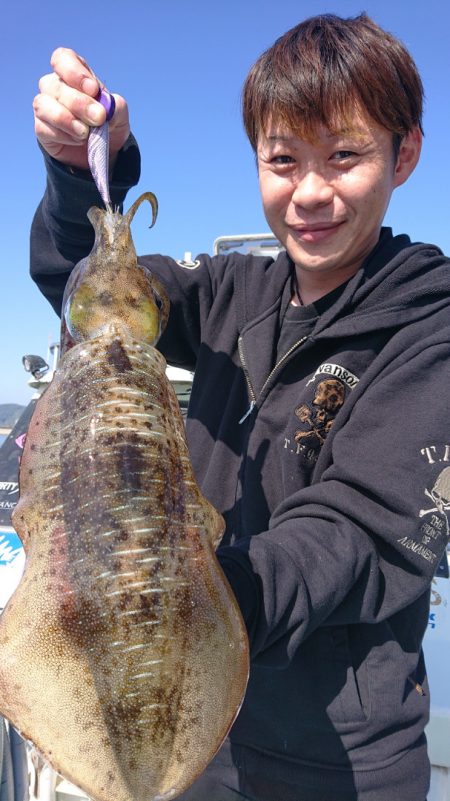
{"x": 315, "y": 232}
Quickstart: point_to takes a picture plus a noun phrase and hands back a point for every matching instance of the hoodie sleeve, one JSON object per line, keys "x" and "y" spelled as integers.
{"x": 364, "y": 541}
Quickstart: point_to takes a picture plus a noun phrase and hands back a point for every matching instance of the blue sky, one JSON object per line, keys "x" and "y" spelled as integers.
{"x": 181, "y": 66}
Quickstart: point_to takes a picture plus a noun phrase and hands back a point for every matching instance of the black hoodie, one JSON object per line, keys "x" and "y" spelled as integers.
{"x": 331, "y": 466}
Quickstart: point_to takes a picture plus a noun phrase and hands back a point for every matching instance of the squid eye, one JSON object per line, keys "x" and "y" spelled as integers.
{"x": 77, "y": 312}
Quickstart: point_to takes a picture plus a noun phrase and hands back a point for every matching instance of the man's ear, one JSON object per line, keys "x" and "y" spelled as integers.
{"x": 408, "y": 156}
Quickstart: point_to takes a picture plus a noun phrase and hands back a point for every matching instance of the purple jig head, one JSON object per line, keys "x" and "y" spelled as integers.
{"x": 108, "y": 103}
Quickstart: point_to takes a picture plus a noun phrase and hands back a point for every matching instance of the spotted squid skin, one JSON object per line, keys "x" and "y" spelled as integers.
{"x": 124, "y": 656}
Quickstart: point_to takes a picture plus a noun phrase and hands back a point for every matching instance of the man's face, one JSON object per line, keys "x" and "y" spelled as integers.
{"x": 325, "y": 200}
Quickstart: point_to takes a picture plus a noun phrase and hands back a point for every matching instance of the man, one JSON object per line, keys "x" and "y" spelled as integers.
{"x": 319, "y": 420}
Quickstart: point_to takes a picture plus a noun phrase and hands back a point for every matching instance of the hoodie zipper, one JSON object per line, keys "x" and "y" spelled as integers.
{"x": 251, "y": 391}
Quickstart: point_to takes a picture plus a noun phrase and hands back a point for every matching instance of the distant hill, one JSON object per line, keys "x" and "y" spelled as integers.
{"x": 9, "y": 414}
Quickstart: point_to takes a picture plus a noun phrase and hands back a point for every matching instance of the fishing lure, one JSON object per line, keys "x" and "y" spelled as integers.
{"x": 98, "y": 148}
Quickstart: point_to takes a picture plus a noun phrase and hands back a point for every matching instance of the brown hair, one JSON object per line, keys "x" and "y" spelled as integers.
{"x": 324, "y": 68}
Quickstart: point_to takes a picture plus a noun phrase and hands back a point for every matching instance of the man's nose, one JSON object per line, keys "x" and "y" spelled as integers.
{"x": 312, "y": 190}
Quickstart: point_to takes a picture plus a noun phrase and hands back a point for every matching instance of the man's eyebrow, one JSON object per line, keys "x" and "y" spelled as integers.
{"x": 358, "y": 132}
{"x": 279, "y": 138}
{"x": 343, "y": 133}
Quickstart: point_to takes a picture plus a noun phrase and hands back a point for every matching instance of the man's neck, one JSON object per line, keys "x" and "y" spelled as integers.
{"x": 310, "y": 287}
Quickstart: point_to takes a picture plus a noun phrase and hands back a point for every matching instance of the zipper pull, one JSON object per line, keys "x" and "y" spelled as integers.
{"x": 248, "y": 412}
{"x": 418, "y": 687}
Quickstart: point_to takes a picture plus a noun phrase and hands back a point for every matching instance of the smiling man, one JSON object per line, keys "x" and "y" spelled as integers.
{"x": 321, "y": 388}
{"x": 325, "y": 199}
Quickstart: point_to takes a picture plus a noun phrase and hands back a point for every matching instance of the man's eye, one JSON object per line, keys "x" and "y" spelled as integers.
{"x": 282, "y": 159}
{"x": 341, "y": 155}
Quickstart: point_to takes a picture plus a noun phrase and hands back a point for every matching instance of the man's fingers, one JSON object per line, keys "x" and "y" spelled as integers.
{"x": 52, "y": 115}
{"x": 52, "y": 138}
{"x": 81, "y": 106}
{"x": 74, "y": 71}
{"x": 65, "y": 109}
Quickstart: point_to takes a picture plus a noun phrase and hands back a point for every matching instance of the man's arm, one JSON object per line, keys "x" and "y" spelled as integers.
{"x": 362, "y": 543}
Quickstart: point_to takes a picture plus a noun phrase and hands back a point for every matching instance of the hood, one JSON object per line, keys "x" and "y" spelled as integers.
{"x": 400, "y": 282}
